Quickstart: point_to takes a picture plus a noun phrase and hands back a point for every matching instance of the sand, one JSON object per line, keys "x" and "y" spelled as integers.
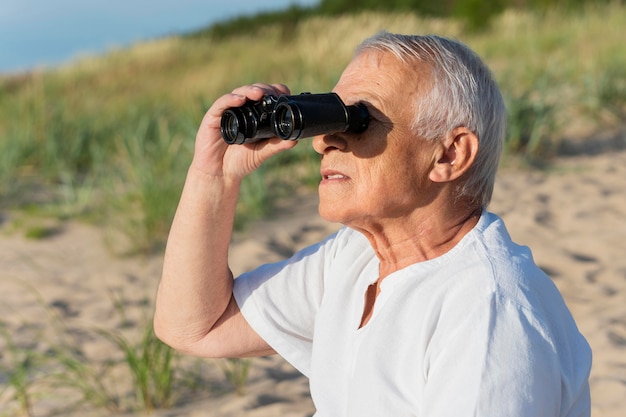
{"x": 572, "y": 216}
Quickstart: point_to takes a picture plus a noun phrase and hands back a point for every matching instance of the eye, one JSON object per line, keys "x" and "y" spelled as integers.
{"x": 372, "y": 110}
{"x": 377, "y": 116}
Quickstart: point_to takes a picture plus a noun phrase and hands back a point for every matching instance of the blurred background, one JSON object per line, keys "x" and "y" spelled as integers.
{"x": 100, "y": 102}
{"x": 36, "y": 33}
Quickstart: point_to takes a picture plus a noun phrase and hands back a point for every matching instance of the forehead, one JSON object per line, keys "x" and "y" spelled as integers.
{"x": 375, "y": 74}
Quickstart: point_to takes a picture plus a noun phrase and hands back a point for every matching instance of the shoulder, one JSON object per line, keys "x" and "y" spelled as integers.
{"x": 515, "y": 290}
{"x": 509, "y": 267}
{"x": 491, "y": 275}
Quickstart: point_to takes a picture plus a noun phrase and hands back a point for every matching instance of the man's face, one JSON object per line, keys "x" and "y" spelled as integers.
{"x": 381, "y": 173}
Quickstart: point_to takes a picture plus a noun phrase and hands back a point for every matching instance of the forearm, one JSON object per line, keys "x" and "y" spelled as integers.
{"x": 196, "y": 284}
{"x": 195, "y": 310}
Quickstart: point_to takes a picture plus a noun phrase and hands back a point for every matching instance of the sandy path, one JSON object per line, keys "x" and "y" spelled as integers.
{"x": 573, "y": 217}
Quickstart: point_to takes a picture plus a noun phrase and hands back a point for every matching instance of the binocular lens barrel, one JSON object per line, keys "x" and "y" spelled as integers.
{"x": 248, "y": 123}
{"x": 292, "y": 118}
{"x": 283, "y": 121}
{"x": 307, "y": 115}
{"x": 233, "y": 129}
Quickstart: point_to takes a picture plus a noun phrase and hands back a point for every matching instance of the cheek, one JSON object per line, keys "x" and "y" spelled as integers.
{"x": 383, "y": 185}
{"x": 400, "y": 177}
{"x": 394, "y": 168}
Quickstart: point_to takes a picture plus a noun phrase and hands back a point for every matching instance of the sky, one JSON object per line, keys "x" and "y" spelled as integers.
{"x": 36, "y": 33}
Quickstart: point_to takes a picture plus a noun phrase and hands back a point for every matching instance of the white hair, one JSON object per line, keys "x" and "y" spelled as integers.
{"x": 463, "y": 93}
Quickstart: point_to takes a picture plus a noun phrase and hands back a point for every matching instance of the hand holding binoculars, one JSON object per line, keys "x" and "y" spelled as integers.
{"x": 292, "y": 118}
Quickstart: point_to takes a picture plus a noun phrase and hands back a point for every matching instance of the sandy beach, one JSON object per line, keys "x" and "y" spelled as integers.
{"x": 571, "y": 215}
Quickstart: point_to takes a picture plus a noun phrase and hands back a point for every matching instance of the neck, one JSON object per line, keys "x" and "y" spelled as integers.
{"x": 419, "y": 237}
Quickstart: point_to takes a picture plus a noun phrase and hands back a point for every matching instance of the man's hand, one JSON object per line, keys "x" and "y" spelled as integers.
{"x": 214, "y": 157}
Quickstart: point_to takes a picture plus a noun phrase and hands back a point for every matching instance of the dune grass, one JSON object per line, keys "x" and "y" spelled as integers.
{"x": 109, "y": 138}
{"x": 21, "y": 370}
{"x": 139, "y": 373}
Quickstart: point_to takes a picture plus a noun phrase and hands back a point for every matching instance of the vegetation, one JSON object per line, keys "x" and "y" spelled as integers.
{"x": 476, "y": 14}
{"x": 138, "y": 373}
{"x": 20, "y": 368}
{"x": 109, "y": 138}
{"x": 236, "y": 371}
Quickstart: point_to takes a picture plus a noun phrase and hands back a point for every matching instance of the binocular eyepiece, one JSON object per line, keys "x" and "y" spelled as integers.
{"x": 292, "y": 118}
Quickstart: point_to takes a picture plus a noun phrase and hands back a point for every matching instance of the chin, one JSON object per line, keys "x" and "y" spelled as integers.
{"x": 330, "y": 212}
{"x": 328, "y": 215}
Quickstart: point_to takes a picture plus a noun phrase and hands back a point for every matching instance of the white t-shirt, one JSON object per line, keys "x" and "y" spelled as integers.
{"x": 479, "y": 331}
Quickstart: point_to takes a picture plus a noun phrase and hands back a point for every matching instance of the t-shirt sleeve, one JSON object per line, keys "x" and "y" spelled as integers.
{"x": 280, "y": 301}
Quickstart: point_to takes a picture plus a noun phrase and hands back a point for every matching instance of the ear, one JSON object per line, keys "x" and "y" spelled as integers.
{"x": 458, "y": 153}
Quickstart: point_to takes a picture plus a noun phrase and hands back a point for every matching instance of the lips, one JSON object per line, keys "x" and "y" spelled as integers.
{"x": 333, "y": 175}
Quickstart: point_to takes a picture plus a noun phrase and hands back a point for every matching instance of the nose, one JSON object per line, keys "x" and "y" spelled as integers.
{"x": 326, "y": 143}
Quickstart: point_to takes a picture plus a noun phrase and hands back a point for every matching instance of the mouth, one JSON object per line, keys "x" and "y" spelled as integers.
{"x": 334, "y": 177}
{"x": 331, "y": 175}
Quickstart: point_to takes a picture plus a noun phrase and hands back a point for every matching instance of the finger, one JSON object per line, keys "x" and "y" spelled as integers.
{"x": 253, "y": 91}
{"x": 238, "y": 98}
{"x": 281, "y": 88}
{"x": 221, "y": 104}
{"x": 257, "y": 90}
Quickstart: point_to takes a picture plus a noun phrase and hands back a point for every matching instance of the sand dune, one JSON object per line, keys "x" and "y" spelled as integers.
{"x": 572, "y": 216}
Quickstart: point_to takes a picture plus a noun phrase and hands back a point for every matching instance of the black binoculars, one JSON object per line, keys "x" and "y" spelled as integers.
{"x": 292, "y": 118}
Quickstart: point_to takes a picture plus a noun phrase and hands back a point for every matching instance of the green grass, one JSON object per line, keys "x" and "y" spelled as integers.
{"x": 236, "y": 371}
{"x": 151, "y": 366}
{"x": 19, "y": 368}
{"x": 108, "y": 139}
{"x": 139, "y": 373}
{"x": 138, "y": 355}
{"x": 147, "y": 362}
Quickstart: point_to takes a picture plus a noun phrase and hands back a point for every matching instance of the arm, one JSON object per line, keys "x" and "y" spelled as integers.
{"x": 195, "y": 309}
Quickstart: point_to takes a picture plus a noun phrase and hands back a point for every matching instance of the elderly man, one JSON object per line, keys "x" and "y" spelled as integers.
{"x": 421, "y": 305}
